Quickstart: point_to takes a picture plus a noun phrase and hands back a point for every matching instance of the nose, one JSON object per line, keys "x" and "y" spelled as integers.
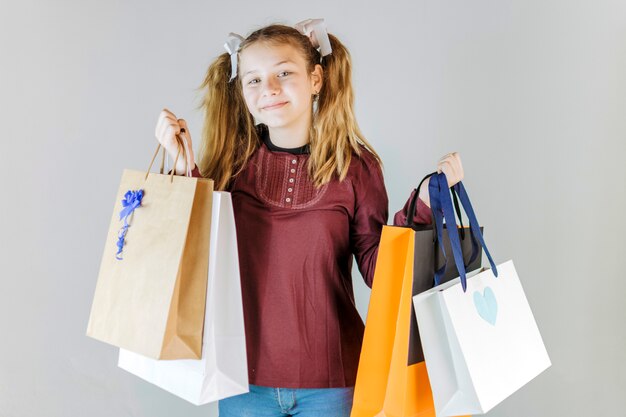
{"x": 271, "y": 87}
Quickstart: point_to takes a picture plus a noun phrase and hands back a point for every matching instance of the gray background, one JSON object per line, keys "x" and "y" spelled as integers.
{"x": 531, "y": 93}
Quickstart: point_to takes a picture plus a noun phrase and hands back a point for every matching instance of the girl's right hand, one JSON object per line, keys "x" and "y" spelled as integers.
{"x": 167, "y": 128}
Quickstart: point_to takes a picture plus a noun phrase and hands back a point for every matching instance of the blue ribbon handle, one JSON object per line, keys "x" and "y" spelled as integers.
{"x": 474, "y": 226}
{"x": 444, "y": 210}
{"x": 441, "y": 205}
{"x": 437, "y": 212}
{"x": 475, "y": 248}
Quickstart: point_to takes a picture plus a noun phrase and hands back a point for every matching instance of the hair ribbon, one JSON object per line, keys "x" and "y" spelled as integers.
{"x": 233, "y": 42}
{"x": 315, "y": 29}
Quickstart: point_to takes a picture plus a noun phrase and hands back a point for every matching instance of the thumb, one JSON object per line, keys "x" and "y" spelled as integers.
{"x": 183, "y": 125}
{"x": 186, "y": 136}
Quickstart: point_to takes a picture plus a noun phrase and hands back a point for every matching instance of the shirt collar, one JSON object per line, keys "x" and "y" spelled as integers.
{"x": 265, "y": 137}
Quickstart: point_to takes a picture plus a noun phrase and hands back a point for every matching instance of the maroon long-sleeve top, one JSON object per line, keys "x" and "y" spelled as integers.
{"x": 296, "y": 244}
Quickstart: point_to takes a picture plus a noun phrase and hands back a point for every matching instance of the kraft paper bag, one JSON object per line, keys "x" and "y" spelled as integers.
{"x": 150, "y": 293}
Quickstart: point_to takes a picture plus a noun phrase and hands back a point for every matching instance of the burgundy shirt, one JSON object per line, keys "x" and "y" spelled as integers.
{"x": 296, "y": 245}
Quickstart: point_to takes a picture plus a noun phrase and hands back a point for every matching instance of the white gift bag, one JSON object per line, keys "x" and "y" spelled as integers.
{"x": 480, "y": 346}
{"x": 223, "y": 371}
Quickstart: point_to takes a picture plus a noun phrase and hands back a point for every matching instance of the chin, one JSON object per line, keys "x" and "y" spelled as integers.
{"x": 275, "y": 123}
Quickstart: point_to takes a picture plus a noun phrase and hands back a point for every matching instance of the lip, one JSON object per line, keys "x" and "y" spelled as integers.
{"x": 275, "y": 106}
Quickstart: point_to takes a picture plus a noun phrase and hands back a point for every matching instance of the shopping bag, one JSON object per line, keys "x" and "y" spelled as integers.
{"x": 479, "y": 337}
{"x": 392, "y": 379}
{"x": 222, "y": 372}
{"x": 430, "y": 267}
{"x": 151, "y": 287}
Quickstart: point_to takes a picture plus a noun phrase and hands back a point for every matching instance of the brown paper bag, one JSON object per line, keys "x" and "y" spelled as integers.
{"x": 152, "y": 301}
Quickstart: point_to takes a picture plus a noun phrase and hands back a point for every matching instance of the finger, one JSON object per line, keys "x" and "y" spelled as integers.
{"x": 169, "y": 114}
{"x": 183, "y": 125}
{"x": 446, "y": 165}
{"x": 449, "y": 161}
{"x": 456, "y": 158}
{"x": 169, "y": 129}
{"x": 164, "y": 115}
{"x": 442, "y": 166}
{"x": 163, "y": 124}
{"x": 456, "y": 165}
{"x": 159, "y": 123}
{"x": 451, "y": 173}
{"x": 460, "y": 170}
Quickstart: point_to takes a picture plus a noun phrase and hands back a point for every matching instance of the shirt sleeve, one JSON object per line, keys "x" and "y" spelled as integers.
{"x": 422, "y": 215}
{"x": 195, "y": 172}
{"x": 370, "y": 214}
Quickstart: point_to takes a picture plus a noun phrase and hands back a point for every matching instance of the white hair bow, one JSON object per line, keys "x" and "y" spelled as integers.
{"x": 232, "y": 47}
{"x": 315, "y": 29}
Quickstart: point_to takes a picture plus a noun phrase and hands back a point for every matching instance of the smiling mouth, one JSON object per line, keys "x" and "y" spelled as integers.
{"x": 275, "y": 106}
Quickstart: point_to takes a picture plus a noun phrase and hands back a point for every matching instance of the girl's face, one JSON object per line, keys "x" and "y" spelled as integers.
{"x": 276, "y": 85}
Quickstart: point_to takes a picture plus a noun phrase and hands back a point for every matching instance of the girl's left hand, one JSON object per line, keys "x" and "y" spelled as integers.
{"x": 450, "y": 164}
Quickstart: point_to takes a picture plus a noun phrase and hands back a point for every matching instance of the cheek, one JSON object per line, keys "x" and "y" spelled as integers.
{"x": 250, "y": 98}
{"x": 303, "y": 90}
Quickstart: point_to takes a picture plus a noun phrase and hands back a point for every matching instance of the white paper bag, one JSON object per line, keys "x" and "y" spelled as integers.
{"x": 223, "y": 371}
{"x": 480, "y": 346}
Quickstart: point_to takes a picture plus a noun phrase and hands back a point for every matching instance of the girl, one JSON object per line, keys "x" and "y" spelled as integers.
{"x": 308, "y": 193}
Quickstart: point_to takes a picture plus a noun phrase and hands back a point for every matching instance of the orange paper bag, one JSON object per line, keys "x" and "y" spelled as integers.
{"x": 387, "y": 384}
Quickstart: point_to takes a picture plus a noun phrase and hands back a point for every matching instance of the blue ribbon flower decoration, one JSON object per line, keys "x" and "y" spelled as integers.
{"x": 132, "y": 200}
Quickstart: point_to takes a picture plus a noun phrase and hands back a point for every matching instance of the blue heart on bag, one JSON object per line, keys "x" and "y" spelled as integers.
{"x": 486, "y": 305}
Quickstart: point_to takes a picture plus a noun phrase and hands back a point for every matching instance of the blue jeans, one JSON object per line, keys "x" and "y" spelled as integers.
{"x": 281, "y": 402}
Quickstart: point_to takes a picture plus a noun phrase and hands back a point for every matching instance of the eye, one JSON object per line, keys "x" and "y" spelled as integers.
{"x": 253, "y": 81}
{"x": 284, "y": 73}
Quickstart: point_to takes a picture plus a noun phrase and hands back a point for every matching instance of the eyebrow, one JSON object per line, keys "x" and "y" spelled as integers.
{"x": 286, "y": 61}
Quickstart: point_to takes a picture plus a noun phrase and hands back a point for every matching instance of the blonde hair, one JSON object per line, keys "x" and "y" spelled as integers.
{"x": 229, "y": 136}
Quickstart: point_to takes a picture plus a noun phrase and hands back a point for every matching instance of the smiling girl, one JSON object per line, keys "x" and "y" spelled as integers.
{"x": 281, "y": 136}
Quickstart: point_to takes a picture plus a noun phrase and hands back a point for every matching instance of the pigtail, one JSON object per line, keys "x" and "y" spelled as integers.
{"x": 335, "y": 132}
{"x": 228, "y": 137}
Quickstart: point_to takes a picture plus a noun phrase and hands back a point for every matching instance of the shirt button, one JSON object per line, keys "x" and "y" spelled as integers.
{"x": 290, "y": 189}
{"x": 293, "y": 170}
{"x": 293, "y": 161}
{"x": 290, "y": 179}
{"x": 288, "y": 199}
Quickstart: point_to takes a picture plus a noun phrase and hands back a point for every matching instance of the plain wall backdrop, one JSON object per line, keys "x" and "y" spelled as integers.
{"x": 531, "y": 93}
